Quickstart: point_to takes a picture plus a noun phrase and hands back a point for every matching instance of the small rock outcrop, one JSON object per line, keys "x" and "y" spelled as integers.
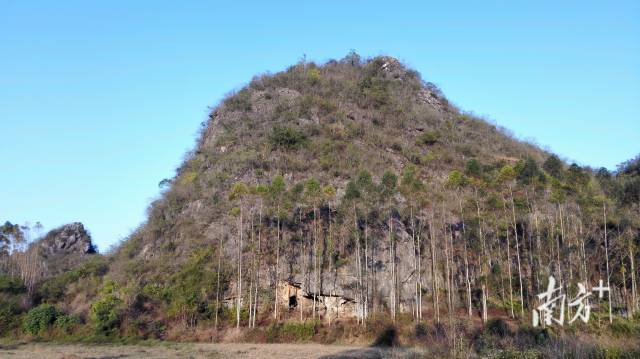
{"x": 67, "y": 239}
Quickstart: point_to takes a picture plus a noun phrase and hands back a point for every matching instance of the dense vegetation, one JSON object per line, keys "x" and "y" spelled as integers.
{"x": 357, "y": 177}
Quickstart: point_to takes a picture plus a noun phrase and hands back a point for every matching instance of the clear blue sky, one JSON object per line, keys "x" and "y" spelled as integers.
{"x": 100, "y": 100}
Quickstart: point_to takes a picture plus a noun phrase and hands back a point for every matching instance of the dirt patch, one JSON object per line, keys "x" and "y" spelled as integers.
{"x": 188, "y": 350}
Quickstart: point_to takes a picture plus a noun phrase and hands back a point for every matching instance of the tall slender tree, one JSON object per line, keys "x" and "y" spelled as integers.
{"x": 313, "y": 193}
{"x": 238, "y": 192}
{"x": 277, "y": 189}
{"x": 388, "y": 187}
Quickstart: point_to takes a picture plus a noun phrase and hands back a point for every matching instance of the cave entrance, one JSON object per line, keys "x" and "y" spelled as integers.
{"x": 293, "y": 301}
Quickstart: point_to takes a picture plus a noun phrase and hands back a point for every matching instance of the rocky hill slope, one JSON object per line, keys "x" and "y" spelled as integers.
{"x": 269, "y": 183}
{"x": 355, "y": 190}
{"x": 324, "y": 122}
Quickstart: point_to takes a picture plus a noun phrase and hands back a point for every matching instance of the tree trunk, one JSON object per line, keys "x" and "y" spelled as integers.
{"x": 515, "y": 231}
{"x": 486, "y": 262}
{"x": 466, "y": 260}
{"x": 510, "y": 275}
{"x": 415, "y": 267}
{"x": 392, "y": 263}
{"x": 220, "y": 249}
{"x": 558, "y": 246}
{"x": 275, "y": 297}
{"x": 434, "y": 275}
{"x": 358, "y": 264}
{"x": 333, "y": 291}
{"x": 249, "y": 273}
{"x": 255, "y": 301}
{"x": 420, "y": 277}
{"x": 315, "y": 263}
{"x": 366, "y": 271}
{"x": 304, "y": 268}
{"x": 634, "y": 290}
{"x": 239, "y": 286}
{"x": 606, "y": 251}
{"x": 484, "y": 304}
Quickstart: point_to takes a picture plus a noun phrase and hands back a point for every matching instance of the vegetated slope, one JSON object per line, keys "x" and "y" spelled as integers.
{"x": 325, "y": 122}
{"x": 36, "y": 270}
{"x": 356, "y": 178}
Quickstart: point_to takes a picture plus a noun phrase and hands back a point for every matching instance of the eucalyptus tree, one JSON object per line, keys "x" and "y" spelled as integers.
{"x": 329, "y": 194}
{"x": 457, "y": 181}
{"x": 276, "y": 192}
{"x": 534, "y": 181}
{"x": 261, "y": 191}
{"x": 238, "y": 192}
{"x": 474, "y": 176}
{"x": 606, "y": 251}
{"x": 295, "y": 197}
{"x": 220, "y": 250}
{"x": 388, "y": 188}
{"x": 553, "y": 166}
{"x": 367, "y": 191}
{"x": 434, "y": 268}
{"x": 10, "y": 237}
{"x": 313, "y": 194}
{"x": 634, "y": 284}
{"x": 507, "y": 176}
{"x": 558, "y": 198}
{"x": 351, "y": 198}
{"x": 411, "y": 187}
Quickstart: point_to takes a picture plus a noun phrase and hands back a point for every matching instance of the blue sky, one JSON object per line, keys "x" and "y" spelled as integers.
{"x": 99, "y": 101}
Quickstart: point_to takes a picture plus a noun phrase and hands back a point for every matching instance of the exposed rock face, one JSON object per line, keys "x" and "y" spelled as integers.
{"x": 64, "y": 248}
{"x": 330, "y": 306}
{"x": 69, "y": 238}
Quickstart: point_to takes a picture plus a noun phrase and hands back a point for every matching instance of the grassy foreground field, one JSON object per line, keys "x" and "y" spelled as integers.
{"x": 196, "y": 350}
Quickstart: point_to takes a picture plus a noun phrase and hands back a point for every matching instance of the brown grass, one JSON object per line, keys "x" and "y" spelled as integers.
{"x": 183, "y": 350}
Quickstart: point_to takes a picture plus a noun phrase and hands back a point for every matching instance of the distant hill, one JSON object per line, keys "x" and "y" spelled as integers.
{"x": 65, "y": 247}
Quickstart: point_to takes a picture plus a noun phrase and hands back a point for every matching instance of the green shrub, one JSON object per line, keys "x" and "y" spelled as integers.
{"x": 428, "y": 138}
{"x": 8, "y": 316}
{"x": 291, "y": 332}
{"x": 533, "y": 336}
{"x": 52, "y": 290}
{"x": 11, "y": 285}
{"x": 614, "y": 353}
{"x": 105, "y": 312}
{"x": 240, "y": 101}
{"x": 228, "y": 313}
{"x": 298, "y": 331}
{"x": 40, "y": 318}
{"x": 473, "y": 168}
{"x": 421, "y": 330}
{"x": 105, "y": 315}
{"x": 287, "y": 137}
{"x": 498, "y": 327}
{"x": 67, "y": 322}
{"x": 624, "y": 328}
{"x": 375, "y": 91}
{"x": 314, "y": 76}
{"x": 518, "y": 354}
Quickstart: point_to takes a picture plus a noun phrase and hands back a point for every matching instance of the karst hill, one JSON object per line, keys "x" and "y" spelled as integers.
{"x": 351, "y": 192}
